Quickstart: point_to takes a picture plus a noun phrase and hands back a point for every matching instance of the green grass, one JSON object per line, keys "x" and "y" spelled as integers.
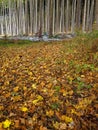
{"x": 90, "y": 35}
{"x": 11, "y": 43}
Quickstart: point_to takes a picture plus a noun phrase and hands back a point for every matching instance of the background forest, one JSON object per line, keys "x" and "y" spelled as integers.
{"x": 29, "y": 17}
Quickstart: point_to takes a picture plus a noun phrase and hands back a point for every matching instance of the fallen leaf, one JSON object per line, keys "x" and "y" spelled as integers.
{"x": 56, "y": 125}
{"x": 43, "y": 128}
{"x": 50, "y": 113}
{"x": 0, "y": 125}
{"x": 67, "y": 119}
{"x": 35, "y": 101}
{"x": 24, "y": 109}
{"x": 6, "y": 123}
{"x": 16, "y": 89}
{"x": 39, "y": 98}
{"x": 34, "y": 86}
{"x": 1, "y": 107}
{"x": 16, "y": 123}
{"x": 63, "y": 126}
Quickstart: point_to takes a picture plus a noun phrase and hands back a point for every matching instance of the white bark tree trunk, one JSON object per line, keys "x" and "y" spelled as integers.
{"x": 91, "y": 15}
{"x": 96, "y": 14}
{"x": 19, "y": 17}
{"x": 73, "y": 16}
{"x": 84, "y": 16}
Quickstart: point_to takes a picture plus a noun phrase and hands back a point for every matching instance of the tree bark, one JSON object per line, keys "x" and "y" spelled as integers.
{"x": 84, "y": 16}
{"x": 96, "y": 14}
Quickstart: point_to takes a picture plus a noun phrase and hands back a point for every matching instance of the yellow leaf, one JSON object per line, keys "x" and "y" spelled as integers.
{"x": 24, "y": 109}
{"x": 30, "y": 73}
{"x": 16, "y": 98}
{"x": 39, "y": 98}
{"x": 35, "y": 101}
{"x": 44, "y": 66}
{"x": 67, "y": 119}
{"x": 34, "y": 86}
{"x": 6, "y": 123}
{"x": 44, "y": 90}
{"x": 64, "y": 93}
{"x": 50, "y": 113}
{"x": 56, "y": 125}
{"x": 65, "y": 61}
{"x": 70, "y": 80}
{"x": 24, "y": 88}
{"x": 74, "y": 112}
{"x": 84, "y": 103}
{"x": 16, "y": 89}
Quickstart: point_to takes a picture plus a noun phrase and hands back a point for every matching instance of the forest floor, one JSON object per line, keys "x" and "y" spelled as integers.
{"x": 49, "y": 86}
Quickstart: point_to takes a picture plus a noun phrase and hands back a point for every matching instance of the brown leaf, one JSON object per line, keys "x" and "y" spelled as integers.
{"x": 43, "y": 128}
{"x": 16, "y": 123}
{"x": 63, "y": 126}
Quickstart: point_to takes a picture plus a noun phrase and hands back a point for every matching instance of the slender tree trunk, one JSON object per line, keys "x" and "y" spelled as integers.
{"x": 53, "y": 17}
{"x": 10, "y": 18}
{"x": 67, "y": 16}
{"x": 36, "y": 16}
{"x": 78, "y": 14}
{"x": 18, "y": 17}
{"x": 57, "y": 16}
{"x": 91, "y": 15}
{"x": 73, "y": 16}
{"x": 47, "y": 15}
{"x": 50, "y": 18}
{"x": 40, "y": 19}
{"x": 26, "y": 18}
{"x": 31, "y": 16}
{"x": 88, "y": 15}
{"x": 62, "y": 17}
{"x": 96, "y": 14}
{"x": 43, "y": 17}
{"x": 84, "y": 16}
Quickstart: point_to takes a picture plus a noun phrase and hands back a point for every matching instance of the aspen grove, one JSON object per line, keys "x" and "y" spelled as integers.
{"x": 30, "y": 17}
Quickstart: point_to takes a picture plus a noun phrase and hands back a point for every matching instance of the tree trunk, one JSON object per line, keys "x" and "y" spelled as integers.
{"x": 88, "y": 15}
{"x": 57, "y": 16}
{"x": 91, "y": 15}
{"x": 84, "y": 16}
{"x": 73, "y": 15}
{"x": 67, "y": 16}
{"x": 40, "y": 19}
{"x": 26, "y": 18}
{"x": 96, "y": 14}
{"x": 50, "y": 19}
{"x": 53, "y": 17}
{"x": 31, "y": 16}
{"x": 78, "y": 14}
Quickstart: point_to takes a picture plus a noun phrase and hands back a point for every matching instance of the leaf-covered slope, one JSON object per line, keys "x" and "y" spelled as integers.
{"x": 50, "y": 86}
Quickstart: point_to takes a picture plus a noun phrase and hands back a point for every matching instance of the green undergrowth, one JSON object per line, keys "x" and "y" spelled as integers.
{"x": 9, "y": 43}
{"x": 89, "y": 35}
